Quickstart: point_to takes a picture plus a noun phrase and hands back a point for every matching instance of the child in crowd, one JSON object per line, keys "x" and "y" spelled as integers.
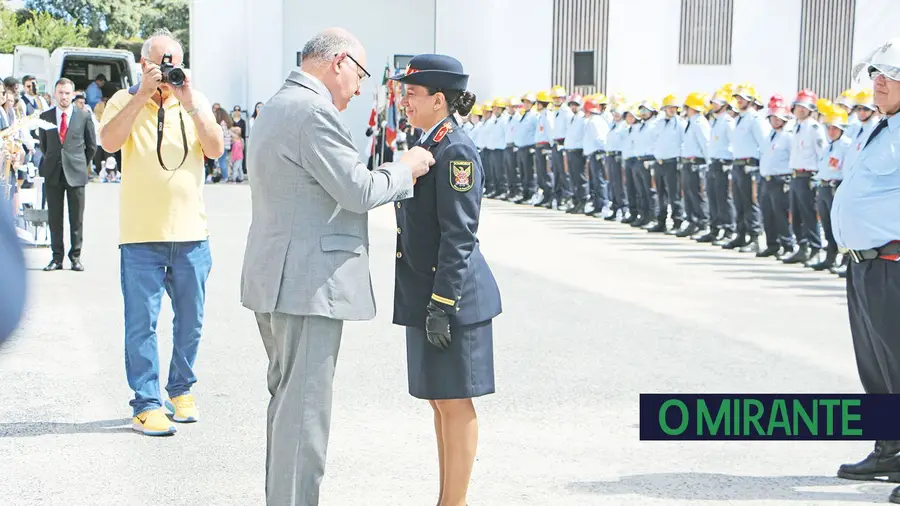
{"x": 237, "y": 156}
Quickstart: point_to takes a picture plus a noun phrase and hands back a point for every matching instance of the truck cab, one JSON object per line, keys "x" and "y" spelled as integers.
{"x": 81, "y": 65}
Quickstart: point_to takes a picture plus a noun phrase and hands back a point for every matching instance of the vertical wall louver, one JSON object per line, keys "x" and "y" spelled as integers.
{"x": 706, "y": 32}
{"x": 580, "y": 28}
{"x": 826, "y": 46}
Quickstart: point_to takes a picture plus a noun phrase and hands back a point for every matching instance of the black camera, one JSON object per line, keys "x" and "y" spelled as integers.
{"x": 170, "y": 73}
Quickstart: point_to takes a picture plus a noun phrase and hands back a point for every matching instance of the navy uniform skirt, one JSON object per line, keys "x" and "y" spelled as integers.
{"x": 462, "y": 371}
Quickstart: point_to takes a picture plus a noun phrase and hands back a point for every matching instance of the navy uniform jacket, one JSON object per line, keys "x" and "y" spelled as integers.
{"x": 438, "y": 255}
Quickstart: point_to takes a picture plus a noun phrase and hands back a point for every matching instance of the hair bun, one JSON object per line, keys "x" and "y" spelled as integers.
{"x": 464, "y": 102}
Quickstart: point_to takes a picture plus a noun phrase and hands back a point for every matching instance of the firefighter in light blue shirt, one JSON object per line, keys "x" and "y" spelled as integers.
{"x": 543, "y": 145}
{"x": 829, "y": 177}
{"x": 574, "y": 148}
{"x": 775, "y": 175}
{"x": 497, "y": 144}
{"x": 631, "y": 160}
{"x": 513, "y": 177}
{"x": 721, "y": 206}
{"x": 488, "y": 122}
{"x": 694, "y": 166}
{"x": 596, "y": 132}
{"x": 667, "y": 151}
{"x": 526, "y": 127}
{"x": 865, "y": 221}
{"x": 866, "y": 112}
{"x": 562, "y": 117}
{"x": 475, "y": 125}
{"x": 749, "y": 135}
{"x": 648, "y": 132}
{"x": 615, "y": 143}
{"x": 809, "y": 145}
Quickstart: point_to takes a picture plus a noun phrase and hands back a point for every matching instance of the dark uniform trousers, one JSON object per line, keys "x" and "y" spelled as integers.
{"x": 668, "y": 191}
{"x": 696, "y": 207}
{"x": 803, "y": 209}
{"x": 527, "y": 185}
{"x": 630, "y": 168}
{"x": 824, "y": 200}
{"x": 645, "y": 194}
{"x": 485, "y": 155}
{"x": 497, "y": 170}
{"x": 746, "y": 207}
{"x": 721, "y": 207}
{"x": 508, "y": 178}
{"x": 56, "y": 192}
{"x": 774, "y": 196}
{"x": 562, "y": 185}
{"x": 578, "y": 174}
{"x": 873, "y": 294}
{"x": 542, "y": 168}
{"x": 598, "y": 183}
{"x": 616, "y": 181}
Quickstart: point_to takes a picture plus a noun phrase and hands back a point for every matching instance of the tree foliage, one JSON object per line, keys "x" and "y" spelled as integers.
{"x": 38, "y": 29}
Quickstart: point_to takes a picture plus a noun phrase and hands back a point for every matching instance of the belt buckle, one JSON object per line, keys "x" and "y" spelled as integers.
{"x": 855, "y": 256}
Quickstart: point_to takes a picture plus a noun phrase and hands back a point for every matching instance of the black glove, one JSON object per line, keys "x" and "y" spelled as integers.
{"x": 437, "y": 326}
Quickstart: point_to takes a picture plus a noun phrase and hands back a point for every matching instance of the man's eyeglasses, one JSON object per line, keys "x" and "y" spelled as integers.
{"x": 360, "y": 67}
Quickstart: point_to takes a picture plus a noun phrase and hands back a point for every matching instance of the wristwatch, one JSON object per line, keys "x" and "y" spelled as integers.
{"x": 194, "y": 111}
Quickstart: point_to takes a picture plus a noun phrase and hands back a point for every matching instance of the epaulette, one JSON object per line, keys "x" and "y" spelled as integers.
{"x": 445, "y": 129}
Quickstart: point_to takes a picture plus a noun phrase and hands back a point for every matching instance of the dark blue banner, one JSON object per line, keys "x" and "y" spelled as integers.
{"x": 773, "y": 417}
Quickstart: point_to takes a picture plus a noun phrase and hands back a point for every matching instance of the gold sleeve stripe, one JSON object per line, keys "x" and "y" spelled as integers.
{"x": 442, "y": 300}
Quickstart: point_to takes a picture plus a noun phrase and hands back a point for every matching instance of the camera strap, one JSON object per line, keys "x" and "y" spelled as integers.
{"x": 160, "y": 123}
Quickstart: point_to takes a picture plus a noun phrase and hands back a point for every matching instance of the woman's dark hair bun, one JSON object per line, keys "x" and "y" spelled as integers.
{"x": 464, "y": 103}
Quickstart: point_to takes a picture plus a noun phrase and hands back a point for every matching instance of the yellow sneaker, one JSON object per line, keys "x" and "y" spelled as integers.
{"x": 153, "y": 423}
{"x": 183, "y": 409}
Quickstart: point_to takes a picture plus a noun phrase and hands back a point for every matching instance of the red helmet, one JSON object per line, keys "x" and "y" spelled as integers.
{"x": 780, "y": 112}
{"x": 806, "y": 98}
{"x": 776, "y": 101}
{"x": 591, "y": 106}
{"x": 575, "y": 99}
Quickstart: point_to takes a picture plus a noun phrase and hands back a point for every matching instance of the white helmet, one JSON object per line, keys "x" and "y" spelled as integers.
{"x": 885, "y": 59}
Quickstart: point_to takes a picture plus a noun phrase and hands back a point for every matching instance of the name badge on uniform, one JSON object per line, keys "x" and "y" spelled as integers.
{"x": 833, "y": 162}
{"x": 462, "y": 175}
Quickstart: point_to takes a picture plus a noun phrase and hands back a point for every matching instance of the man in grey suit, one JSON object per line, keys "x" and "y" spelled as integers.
{"x": 64, "y": 167}
{"x": 306, "y": 265}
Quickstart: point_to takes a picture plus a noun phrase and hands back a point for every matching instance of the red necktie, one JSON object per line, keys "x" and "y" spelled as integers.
{"x": 63, "y": 128}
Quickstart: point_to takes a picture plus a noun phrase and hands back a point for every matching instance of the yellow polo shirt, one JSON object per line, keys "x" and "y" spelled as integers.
{"x": 158, "y": 205}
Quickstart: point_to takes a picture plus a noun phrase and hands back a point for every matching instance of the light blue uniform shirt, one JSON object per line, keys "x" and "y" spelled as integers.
{"x": 775, "y": 155}
{"x": 544, "y": 126}
{"x": 475, "y": 134}
{"x": 749, "y": 135}
{"x": 670, "y": 138}
{"x": 696, "y": 138}
{"x": 720, "y": 144}
{"x": 596, "y": 131}
{"x": 867, "y": 204}
{"x": 498, "y": 133}
{"x": 484, "y": 137}
{"x": 630, "y": 140}
{"x": 511, "y": 128}
{"x": 809, "y": 144}
{"x": 614, "y": 138}
{"x": 575, "y": 132}
{"x": 832, "y": 160}
{"x": 525, "y": 129}
{"x": 648, "y": 133}
{"x": 561, "y": 120}
{"x": 857, "y": 140}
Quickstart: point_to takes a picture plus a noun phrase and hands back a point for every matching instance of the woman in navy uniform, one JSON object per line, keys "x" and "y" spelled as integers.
{"x": 445, "y": 294}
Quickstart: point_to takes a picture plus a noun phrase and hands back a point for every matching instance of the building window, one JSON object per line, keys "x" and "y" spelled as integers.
{"x": 826, "y": 46}
{"x": 706, "y": 32}
{"x": 584, "y": 68}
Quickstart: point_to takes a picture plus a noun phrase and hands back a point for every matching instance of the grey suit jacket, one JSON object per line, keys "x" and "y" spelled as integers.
{"x": 308, "y": 247}
{"x": 70, "y": 159}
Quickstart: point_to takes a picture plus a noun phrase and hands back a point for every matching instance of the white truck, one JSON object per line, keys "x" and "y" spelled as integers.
{"x": 80, "y": 64}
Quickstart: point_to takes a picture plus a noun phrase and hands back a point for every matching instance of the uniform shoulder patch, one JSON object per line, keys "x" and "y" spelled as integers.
{"x": 815, "y": 125}
{"x": 443, "y": 131}
{"x": 462, "y": 175}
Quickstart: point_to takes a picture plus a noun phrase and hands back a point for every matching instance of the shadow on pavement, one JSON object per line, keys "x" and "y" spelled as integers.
{"x": 31, "y": 429}
{"x": 724, "y": 487}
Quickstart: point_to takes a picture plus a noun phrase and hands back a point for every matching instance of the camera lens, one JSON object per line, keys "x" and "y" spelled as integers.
{"x": 176, "y": 77}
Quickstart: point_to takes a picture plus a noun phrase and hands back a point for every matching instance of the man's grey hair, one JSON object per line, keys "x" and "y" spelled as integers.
{"x": 328, "y": 43}
{"x": 162, "y": 32}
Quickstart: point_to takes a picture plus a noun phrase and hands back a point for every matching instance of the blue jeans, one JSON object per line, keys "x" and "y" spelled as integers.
{"x": 147, "y": 269}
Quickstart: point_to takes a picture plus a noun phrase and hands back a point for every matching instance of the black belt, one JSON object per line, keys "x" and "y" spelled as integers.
{"x": 858, "y": 255}
{"x": 646, "y": 158}
{"x": 802, "y": 173}
{"x": 579, "y": 150}
{"x": 722, "y": 161}
{"x": 668, "y": 160}
{"x": 753, "y": 162}
{"x": 693, "y": 160}
{"x": 613, "y": 153}
{"x": 769, "y": 178}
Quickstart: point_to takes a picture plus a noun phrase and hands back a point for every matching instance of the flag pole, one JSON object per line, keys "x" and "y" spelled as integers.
{"x": 387, "y": 104}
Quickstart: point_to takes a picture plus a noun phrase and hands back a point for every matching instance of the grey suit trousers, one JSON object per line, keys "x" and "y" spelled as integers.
{"x": 302, "y": 353}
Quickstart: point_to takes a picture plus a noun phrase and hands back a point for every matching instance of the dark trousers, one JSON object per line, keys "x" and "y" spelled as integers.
{"x": 696, "y": 207}
{"x": 644, "y": 192}
{"x": 774, "y": 196}
{"x": 562, "y": 185}
{"x": 616, "y": 182}
{"x": 543, "y": 170}
{"x": 803, "y": 212}
{"x": 527, "y": 185}
{"x": 598, "y": 184}
{"x": 746, "y": 206}
{"x": 506, "y": 178}
{"x": 578, "y": 174}
{"x": 721, "y": 207}
{"x": 873, "y": 294}
{"x": 631, "y": 182}
{"x": 824, "y": 200}
{"x": 58, "y": 196}
{"x": 668, "y": 191}
{"x": 497, "y": 169}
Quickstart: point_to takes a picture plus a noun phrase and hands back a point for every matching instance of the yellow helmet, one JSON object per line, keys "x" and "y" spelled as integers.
{"x": 530, "y": 96}
{"x": 650, "y": 105}
{"x": 847, "y": 98}
{"x": 476, "y": 110}
{"x": 544, "y": 96}
{"x": 837, "y": 117}
{"x": 670, "y": 100}
{"x": 721, "y": 97}
{"x": 617, "y": 99}
{"x": 865, "y": 98}
{"x": 727, "y": 89}
{"x": 601, "y": 99}
{"x": 732, "y": 102}
{"x": 824, "y": 106}
{"x": 500, "y": 102}
{"x": 696, "y": 101}
{"x": 514, "y": 102}
{"x": 487, "y": 106}
{"x": 559, "y": 92}
{"x": 745, "y": 91}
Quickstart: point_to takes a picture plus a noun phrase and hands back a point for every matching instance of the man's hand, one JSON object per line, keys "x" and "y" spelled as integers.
{"x": 185, "y": 93}
{"x": 437, "y": 326}
{"x": 151, "y": 78}
{"x": 419, "y": 160}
